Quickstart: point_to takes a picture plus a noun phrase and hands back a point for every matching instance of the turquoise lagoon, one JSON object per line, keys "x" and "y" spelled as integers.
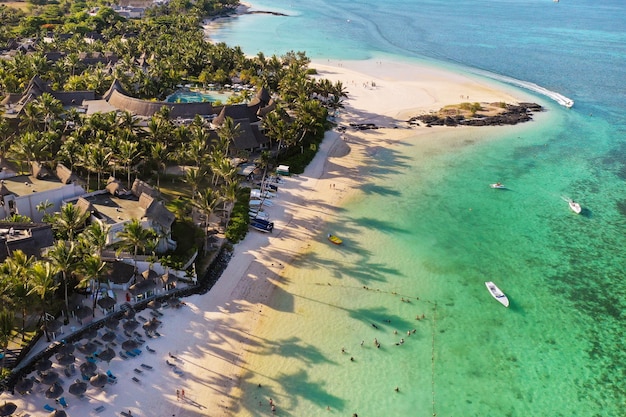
{"x": 426, "y": 225}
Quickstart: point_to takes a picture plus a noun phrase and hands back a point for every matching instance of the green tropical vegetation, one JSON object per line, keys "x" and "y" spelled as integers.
{"x": 155, "y": 54}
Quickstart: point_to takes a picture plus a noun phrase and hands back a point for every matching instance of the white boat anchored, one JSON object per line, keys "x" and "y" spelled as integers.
{"x": 498, "y": 185}
{"x": 575, "y": 206}
{"x": 497, "y": 293}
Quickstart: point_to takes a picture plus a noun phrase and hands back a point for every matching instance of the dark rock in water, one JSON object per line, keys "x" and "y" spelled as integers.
{"x": 512, "y": 115}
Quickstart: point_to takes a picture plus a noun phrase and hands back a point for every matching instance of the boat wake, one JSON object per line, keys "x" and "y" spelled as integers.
{"x": 559, "y": 98}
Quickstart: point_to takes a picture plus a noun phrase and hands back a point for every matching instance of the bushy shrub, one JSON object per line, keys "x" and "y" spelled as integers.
{"x": 239, "y": 219}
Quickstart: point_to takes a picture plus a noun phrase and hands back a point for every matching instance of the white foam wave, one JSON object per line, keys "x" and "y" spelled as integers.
{"x": 559, "y": 98}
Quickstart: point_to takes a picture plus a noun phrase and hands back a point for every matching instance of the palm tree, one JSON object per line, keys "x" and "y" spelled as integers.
{"x": 160, "y": 155}
{"x": 69, "y": 220}
{"x": 206, "y": 202}
{"x": 17, "y": 269}
{"x": 29, "y": 147}
{"x": 91, "y": 269}
{"x": 228, "y": 131}
{"x": 128, "y": 153}
{"x": 95, "y": 237}
{"x": 49, "y": 108}
{"x": 42, "y": 282}
{"x": 229, "y": 196}
{"x": 98, "y": 159}
{"x": 193, "y": 177}
{"x": 62, "y": 256}
{"x": 135, "y": 237}
{"x": 43, "y": 208}
{"x": 6, "y": 329}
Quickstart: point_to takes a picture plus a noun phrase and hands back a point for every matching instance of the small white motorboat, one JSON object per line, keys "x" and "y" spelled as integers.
{"x": 498, "y": 185}
{"x": 575, "y": 206}
{"x": 497, "y": 294}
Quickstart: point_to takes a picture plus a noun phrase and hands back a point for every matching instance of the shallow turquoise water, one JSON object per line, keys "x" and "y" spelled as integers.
{"x": 428, "y": 226}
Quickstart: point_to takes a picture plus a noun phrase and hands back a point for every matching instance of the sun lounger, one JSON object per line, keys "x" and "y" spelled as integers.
{"x": 123, "y": 355}
{"x": 97, "y": 342}
{"x": 142, "y": 318}
{"x": 143, "y": 365}
{"x": 138, "y": 371}
{"x": 177, "y": 370}
{"x": 131, "y": 354}
{"x": 47, "y": 407}
{"x": 169, "y": 363}
{"x": 125, "y": 414}
{"x": 63, "y": 402}
{"x": 99, "y": 409}
{"x": 137, "y": 380}
{"x": 137, "y": 352}
{"x": 110, "y": 374}
{"x": 149, "y": 349}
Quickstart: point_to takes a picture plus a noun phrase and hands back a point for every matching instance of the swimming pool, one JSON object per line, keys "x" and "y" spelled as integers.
{"x": 197, "y": 97}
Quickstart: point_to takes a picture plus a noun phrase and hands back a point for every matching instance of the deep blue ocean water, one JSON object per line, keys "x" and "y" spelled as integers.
{"x": 427, "y": 224}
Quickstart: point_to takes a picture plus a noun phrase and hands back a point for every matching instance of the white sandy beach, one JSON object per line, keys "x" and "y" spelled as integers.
{"x": 212, "y": 335}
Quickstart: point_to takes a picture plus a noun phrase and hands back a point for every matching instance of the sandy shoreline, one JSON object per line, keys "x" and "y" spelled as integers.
{"x": 211, "y": 336}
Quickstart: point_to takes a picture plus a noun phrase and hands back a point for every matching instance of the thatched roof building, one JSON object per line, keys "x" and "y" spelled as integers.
{"x": 117, "y": 97}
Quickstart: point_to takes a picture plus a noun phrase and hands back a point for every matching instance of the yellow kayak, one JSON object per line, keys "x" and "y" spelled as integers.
{"x": 335, "y": 239}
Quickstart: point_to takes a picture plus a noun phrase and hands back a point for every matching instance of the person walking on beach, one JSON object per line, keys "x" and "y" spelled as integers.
{"x": 178, "y": 395}
{"x": 182, "y": 394}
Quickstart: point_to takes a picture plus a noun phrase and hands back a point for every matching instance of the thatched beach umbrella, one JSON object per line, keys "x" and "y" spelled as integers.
{"x": 99, "y": 380}
{"x": 130, "y": 344}
{"x": 49, "y": 377}
{"x": 78, "y": 388}
{"x": 154, "y": 304}
{"x": 168, "y": 278}
{"x": 88, "y": 348}
{"x": 112, "y": 323}
{"x": 173, "y": 302}
{"x": 109, "y": 336}
{"x": 142, "y": 287}
{"x": 88, "y": 368}
{"x": 65, "y": 360}
{"x": 130, "y": 325}
{"x": 149, "y": 274}
{"x": 66, "y": 349}
{"x": 91, "y": 333}
{"x": 151, "y": 325}
{"x": 82, "y": 312}
{"x": 51, "y": 326}
{"x": 106, "y": 355}
{"x": 43, "y": 364}
{"x": 130, "y": 313}
{"x": 106, "y": 302}
{"x": 7, "y": 409}
{"x": 24, "y": 385}
{"x": 55, "y": 391}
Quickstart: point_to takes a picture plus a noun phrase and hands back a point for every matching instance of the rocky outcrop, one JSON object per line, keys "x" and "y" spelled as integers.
{"x": 511, "y": 115}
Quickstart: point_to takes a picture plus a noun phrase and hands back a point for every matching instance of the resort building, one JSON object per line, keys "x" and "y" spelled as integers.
{"x": 30, "y": 238}
{"x": 21, "y": 194}
{"x": 115, "y": 206}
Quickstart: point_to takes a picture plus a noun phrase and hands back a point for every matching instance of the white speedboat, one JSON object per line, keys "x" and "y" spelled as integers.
{"x": 497, "y": 294}
{"x": 258, "y": 215}
{"x": 498, "y": 185}
{"x": 259, "y": 195}
{"x": 575, "y": 206}
{"x": 256, "y": 204}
